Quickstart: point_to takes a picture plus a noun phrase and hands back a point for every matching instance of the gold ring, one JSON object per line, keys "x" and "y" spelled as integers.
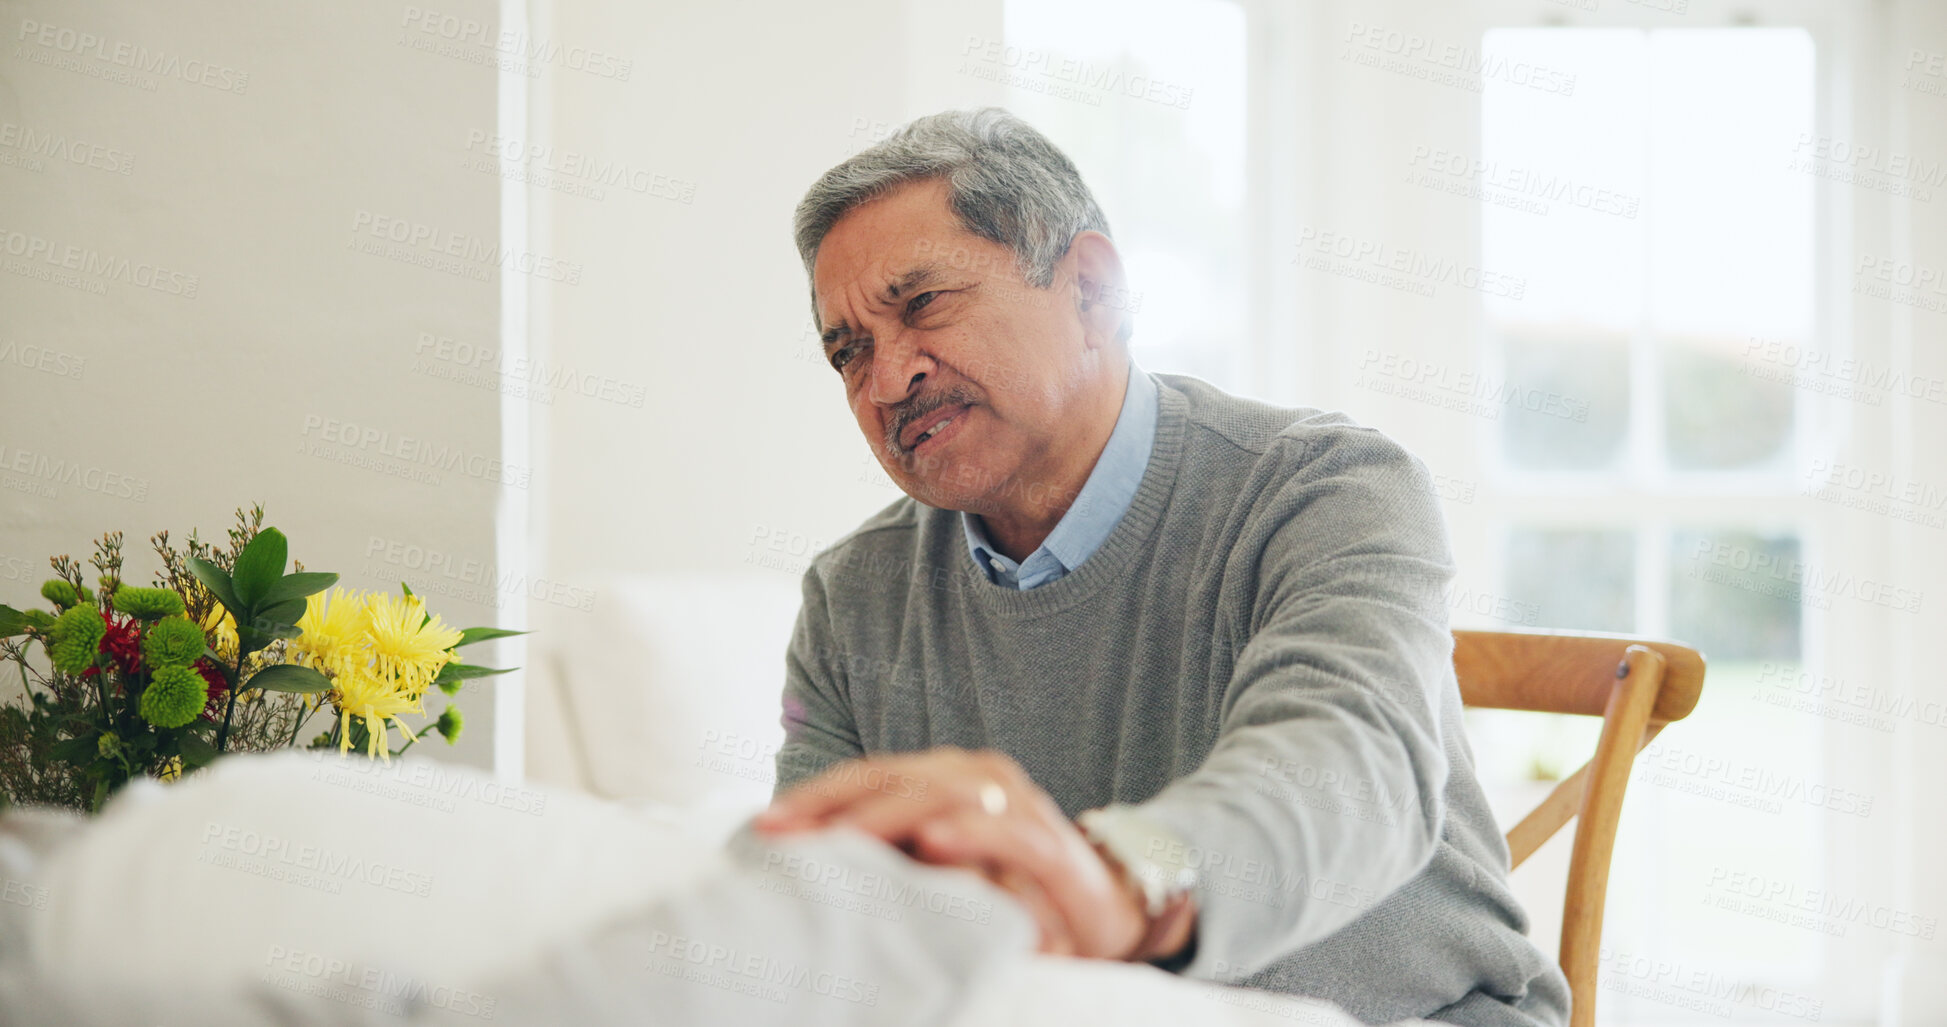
{"x": 993, "y": 798}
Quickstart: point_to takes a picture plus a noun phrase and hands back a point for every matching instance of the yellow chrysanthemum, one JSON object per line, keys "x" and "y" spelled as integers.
{"x": 331, "y": 634}
{"x": 376, "y": 699}
{"x": 222, "y": 628}
{"x": 407, "y": 647}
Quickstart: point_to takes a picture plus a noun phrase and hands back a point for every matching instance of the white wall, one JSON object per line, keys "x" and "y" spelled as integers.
{"x": 254, "y": 193}
{"x": 744, "y": 437}
{"x": 1910, "y": 79}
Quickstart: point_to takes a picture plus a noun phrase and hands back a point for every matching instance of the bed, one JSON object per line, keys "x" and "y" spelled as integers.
{"x": 303, "y": 888}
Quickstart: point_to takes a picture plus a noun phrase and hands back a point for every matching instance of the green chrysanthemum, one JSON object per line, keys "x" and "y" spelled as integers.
{"x": 172, "y": 642}
{"x": 148, "y": 603}
{"x": 77, "y": 638}
{"x": 450, "y": 723}
{"x": 175, "y": 696}
{"x": 108, "y": 744}
{"x": 59, "y": 592}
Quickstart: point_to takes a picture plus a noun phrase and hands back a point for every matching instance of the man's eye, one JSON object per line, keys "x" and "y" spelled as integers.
{"x": 843, "y": 355}
{"x": 920, "y": 301}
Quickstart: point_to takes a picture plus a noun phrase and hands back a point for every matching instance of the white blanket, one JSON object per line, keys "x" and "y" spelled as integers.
{"x": 305, "y": 890}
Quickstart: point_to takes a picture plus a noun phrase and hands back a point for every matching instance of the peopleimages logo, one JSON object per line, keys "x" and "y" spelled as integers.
{"x": 54, "y": 146}
{"x": 1691, "y": 986}
{"x": 458, "y": 576}
{"x": 86, "y": 260}
{"x": 738, "y": 969}
{"x": 520, "y": 49}
{"x": 1447, "y": 63}
{"x": 411, "y": 453}
{"x": 21, "y": 468}
{"x": 455, "y": 253}
{"x": 1069, "y": 78}
{"x": 77, "y": 43}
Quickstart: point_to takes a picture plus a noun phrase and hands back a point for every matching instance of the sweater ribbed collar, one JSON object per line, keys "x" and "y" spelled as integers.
{"x": 1129, "y": 540}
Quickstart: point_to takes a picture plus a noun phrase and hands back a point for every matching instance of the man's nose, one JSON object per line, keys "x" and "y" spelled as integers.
{"x": 897, "y": 370}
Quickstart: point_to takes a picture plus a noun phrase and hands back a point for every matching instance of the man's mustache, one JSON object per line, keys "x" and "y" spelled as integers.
{"x": 919, "y": 406}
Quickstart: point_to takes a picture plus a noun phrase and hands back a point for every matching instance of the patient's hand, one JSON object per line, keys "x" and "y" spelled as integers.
{"x": 979, "y": 810}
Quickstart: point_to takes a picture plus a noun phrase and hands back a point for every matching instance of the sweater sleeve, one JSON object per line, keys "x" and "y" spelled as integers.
{"x": 1322, "y": 793}
{"x": 818, "y": 726}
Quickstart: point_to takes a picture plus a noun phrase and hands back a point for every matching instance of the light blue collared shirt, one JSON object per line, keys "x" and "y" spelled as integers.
{"x": 1104, "y": 498}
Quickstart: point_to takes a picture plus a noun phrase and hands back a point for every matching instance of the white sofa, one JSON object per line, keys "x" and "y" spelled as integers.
{"x": 667, "y": 689}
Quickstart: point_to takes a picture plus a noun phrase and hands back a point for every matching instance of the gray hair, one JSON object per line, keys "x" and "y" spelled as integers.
{"x": 1005, "y": 181}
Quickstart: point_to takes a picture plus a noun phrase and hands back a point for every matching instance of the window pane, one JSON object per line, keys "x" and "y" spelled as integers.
{"x": 1579, "y": 580}
{"x": 1663, "y": 201}
{"x": 1561, "y": 181}
{"x": 1576, "y": 388}
{"x": 1717, "y": 416}
{"x": 1730, "y": 234}
{"x": 1735, "y": 595}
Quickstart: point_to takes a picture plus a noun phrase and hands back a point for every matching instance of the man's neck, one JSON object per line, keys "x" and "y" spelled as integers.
{"x": 1019, "y": 529}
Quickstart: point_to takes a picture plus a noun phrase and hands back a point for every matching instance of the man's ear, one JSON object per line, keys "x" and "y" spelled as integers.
{"x": 1101, "y": 289}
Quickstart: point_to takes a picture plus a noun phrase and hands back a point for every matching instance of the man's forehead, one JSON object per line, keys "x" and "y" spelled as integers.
{"x": 880, "y": 241}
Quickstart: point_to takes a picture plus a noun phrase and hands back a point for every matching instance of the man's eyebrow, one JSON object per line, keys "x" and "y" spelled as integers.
{"x": 912, "y": 280}
{"x": 906, "y": 283}
{"x": 836, "y": 331}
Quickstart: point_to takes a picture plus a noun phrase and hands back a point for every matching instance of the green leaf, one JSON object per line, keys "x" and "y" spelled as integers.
{"x": 197, "y": 752}
{"x": 286, "y": 614}
{"x": 251, "y": 638}
{"x": 12, "y": 622}
{"x": 218, "y": 583}
{"x": 452, "y": 674}
{"x": 289, "y": 677}
{"x": 78, "y": 751}
{"x": 260, "y": 566}
{"x": 407, "y": 589}
{"x": 464, "y": 671}
{"x": 472, "y": 635}
{"x": 299, "y": 585}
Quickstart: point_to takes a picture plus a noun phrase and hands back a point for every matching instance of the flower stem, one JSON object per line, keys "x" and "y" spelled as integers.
{"x": 230, "y": 703}
{"x": 101, "y": 689}
{"x": 303, "y": 718}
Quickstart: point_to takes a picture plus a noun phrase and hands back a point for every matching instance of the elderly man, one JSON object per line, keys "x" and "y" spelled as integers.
{"x": 1170, "y": 666}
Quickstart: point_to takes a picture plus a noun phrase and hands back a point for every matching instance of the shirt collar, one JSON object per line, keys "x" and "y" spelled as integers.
{"x": 1105, "y": 496}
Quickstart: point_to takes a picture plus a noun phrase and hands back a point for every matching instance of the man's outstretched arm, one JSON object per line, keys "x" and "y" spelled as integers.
{"x": 1323, "y": 793}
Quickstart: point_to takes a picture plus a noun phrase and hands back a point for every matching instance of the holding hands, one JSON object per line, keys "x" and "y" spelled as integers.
{"x": 980, "y": 811}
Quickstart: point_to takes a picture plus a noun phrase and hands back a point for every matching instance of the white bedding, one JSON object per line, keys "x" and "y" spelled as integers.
{"x": 306, "y": 890}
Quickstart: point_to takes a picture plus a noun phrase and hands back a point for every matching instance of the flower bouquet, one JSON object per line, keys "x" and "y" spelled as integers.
{"x": 225, "y": 653}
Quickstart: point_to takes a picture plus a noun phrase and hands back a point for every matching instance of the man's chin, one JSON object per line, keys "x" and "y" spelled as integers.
{"x": 948, "y": 485}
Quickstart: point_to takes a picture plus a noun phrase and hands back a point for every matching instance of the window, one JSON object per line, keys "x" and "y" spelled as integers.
{"x": 1663, "y": 231}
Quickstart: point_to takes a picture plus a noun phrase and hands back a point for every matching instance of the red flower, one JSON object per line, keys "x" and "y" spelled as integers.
{"x": 123, "y": 641}
{"x": 213, "y": 708}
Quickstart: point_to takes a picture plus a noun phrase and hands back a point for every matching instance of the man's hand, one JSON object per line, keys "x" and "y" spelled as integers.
{"x": 979, "y": 810}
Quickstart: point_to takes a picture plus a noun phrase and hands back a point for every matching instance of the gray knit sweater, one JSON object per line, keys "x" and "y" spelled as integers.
{"x": 1260, "y": 655}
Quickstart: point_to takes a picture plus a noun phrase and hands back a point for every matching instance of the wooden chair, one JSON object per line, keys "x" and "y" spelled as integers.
{"x": 1636, "y": 686}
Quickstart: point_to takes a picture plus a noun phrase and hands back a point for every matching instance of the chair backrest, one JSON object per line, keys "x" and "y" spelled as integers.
{"x": 1636, "y": 686}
